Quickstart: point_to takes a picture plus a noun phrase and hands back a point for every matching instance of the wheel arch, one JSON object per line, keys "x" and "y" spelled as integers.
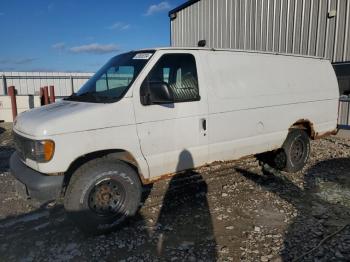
{"x": 112, "y": 154}
{"x": 306, "y": 125}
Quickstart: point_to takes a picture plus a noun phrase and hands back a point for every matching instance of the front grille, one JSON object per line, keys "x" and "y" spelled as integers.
{"x": 22, "y": 145}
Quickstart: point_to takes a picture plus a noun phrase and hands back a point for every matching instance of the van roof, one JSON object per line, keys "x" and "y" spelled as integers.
{"x": 232, "y": 50}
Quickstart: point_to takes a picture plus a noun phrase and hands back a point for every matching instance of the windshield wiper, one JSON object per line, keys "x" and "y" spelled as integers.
{"x": 72, "y": 95}
{"x": 84, "y": 96}
{"x": 89, "y": 97}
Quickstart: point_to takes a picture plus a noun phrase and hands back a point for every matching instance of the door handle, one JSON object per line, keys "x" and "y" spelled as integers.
{"x": 204, "y": 124}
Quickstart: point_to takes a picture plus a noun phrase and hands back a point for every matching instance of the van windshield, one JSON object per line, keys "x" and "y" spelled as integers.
{"x": 113, "y": 80}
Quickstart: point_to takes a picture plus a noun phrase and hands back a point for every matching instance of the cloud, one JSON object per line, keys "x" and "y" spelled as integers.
{"x": 95, "y": 48}
{"x": 59, "y": 46}
{"x": 119, "y": 26}
{"x": 22, "y": 61}
{"x": 162, "y": 6}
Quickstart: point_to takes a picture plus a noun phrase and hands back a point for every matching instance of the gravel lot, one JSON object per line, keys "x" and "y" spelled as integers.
{"x": 228, "y": 211}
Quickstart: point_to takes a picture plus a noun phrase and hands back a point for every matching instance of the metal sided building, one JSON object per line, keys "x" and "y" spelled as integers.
{"x": 29, "y": 83}
{"x": 307, "y": 27}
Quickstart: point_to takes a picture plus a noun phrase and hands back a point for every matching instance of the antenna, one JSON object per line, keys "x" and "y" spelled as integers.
{"x": 202, "y": 43}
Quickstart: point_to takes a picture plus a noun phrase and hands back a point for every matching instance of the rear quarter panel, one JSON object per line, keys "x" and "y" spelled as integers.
{"x": 254, "y": 99}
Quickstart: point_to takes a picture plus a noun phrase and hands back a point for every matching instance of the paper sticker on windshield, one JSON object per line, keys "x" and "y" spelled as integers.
{"x": 144, "y": 56}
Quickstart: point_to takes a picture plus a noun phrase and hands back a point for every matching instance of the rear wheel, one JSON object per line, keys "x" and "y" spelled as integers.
{"x": 294, "y": 153}
{"x": 102, "y": 194}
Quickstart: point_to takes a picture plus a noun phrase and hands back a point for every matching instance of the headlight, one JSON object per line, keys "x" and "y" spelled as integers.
{"x": 41, "y": 151}
{"x": 38, "y": 150}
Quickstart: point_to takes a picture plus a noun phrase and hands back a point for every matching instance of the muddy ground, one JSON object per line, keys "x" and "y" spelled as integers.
{"x": 232, "y": 211}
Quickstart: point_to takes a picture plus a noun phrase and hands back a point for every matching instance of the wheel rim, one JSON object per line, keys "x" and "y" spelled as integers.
{"x": 297, "y": 151}
{"x": 280, "y": 159}
{"x": 107, "y": 197}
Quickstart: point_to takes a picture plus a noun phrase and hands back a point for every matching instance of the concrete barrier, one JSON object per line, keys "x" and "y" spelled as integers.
{"x": 23, "y": 103}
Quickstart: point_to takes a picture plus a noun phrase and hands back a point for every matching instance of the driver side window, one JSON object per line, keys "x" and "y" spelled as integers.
{"x": 180, "y": 73}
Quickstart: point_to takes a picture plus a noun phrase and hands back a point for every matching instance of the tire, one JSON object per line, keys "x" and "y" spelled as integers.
{"x": 294, "y": 153}
{"x": 102, "y": 194}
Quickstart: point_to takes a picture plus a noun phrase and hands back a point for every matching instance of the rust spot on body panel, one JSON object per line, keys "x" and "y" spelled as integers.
{"x": 325, "y": 134}
{"x": 301, "y": 123}
{"x": 307, "y": 125}
{"x": 152, "y": 180}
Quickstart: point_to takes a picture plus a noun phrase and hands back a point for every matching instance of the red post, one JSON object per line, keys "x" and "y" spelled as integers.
{"x": 46, "y": 95}
{"x": 41, "y": 96}
{"x": 12, "y": 94}
{"x": 52, "y": 94}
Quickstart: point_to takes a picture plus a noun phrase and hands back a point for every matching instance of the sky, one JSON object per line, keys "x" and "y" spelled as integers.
{"x": 78, "y": 35}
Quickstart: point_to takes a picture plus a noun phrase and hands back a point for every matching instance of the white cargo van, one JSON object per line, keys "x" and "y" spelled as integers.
{"x": 131, "y": 122}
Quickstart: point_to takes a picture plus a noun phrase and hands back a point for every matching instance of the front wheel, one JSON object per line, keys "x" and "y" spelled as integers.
{"x": 102, "y": 194}
{"x": 294, "y": 153}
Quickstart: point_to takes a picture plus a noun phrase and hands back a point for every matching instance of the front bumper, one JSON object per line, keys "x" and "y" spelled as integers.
{"x": 33, "y": 184}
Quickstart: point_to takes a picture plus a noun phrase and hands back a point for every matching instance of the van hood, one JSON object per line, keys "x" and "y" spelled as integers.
{"x": 70, "y": 116}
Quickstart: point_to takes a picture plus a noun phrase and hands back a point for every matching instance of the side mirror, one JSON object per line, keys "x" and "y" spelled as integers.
{"x": 156, "y": 93}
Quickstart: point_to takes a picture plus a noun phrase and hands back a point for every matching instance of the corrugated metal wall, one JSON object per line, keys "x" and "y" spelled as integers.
{"x": 27, "y": 83}
{"x": 292, "y": 26}
{"x": 344, "y": 113}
